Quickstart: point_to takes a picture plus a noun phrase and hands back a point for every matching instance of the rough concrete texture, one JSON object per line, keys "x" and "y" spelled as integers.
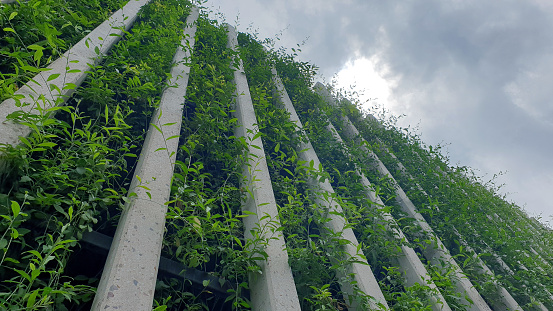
{"x": 503, "y": 299}
{"x": 130, "y": 273}
{"x": 436, "y": 252}
{"x": 500, "y": 300}
{"x": 409, "y": 264}
{"x": 506, "y": 269}
{"x": 362, "y": 272}
{"x": 275, "y": 288}
{"x": 66, "y": 73}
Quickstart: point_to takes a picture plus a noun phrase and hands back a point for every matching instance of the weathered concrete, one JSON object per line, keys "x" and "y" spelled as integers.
{"x": 506, "y": 302}
{"x": 130, "y": 273}
{"x": 409, "y": 264}
{"x": 436, "y": 252}
{"x": 362, "y": 272}
{"x": 502, "y": 299}
{"x": 275, "y": 288}
{"x": 71, "y": 70}
{"x": 518, "y": 230}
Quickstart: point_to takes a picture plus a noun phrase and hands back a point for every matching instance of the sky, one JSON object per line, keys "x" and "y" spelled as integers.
{"x": 470, "y": 75}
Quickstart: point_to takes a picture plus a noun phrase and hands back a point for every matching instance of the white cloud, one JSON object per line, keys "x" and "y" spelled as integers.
{"x": 367, "y": 77}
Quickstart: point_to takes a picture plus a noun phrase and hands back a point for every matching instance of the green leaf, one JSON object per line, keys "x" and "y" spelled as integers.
{"x": 161, "y": 308}
{"x": 23, "y": 274}
{"x": 35, "y": 47}
{"x": 277, "y": 147}
{"x": 37, "y": 254}
{"x": 9, "y": 29}
{"x": 38, "y": 55}
{"x": 14, "y": 14}
{"x": 30, "y": 68}
{"x": 258, "y": 134}
{"x": 157, "y": 128}
{"x": 15, "y": 209}
{"x": 47, "y": 144}
{"x": 25, "y": 141}
{"x": 53, "y": 76}
{"x": 32, "y": 299}
{"x": 35, "y": 273}
{"x": 70, "y": 86}
{"x": 15, "y": 233}
{"x": 205, "y": 283}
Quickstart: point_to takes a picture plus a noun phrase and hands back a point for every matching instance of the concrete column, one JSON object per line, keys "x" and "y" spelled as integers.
{"x": 66, "y": 73}
{"x": 361, "y": 271}
{"x": 409, "y": 263}
{"x": 539, "y": 306}
{"x": 129, "y": 277}
{"x": 518, "y": 230}
{"x": 507, "y": 301}
{"x": 275, "y": 288}
{"x": 436, "y": 252}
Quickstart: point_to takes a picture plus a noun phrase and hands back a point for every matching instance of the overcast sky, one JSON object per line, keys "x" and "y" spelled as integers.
{"x": 476, "y": 75}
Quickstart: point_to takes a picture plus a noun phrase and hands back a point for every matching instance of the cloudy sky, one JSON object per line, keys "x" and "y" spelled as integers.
{"x": 476, "y": 75}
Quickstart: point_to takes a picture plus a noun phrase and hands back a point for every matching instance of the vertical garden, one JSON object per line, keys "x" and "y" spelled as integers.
{"x": 365, "y": 215}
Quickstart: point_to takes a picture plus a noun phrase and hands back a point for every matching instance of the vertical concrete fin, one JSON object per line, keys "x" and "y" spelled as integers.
{"x": 502, "y": 299}
{"x": 69, "y": 71}
{"x": 275, "y": 288}
{"x": 436, "y": 253}
{"x": 409, "y": 263}
{"x": 362, "y": 272}
{"x": 130, "y": 273}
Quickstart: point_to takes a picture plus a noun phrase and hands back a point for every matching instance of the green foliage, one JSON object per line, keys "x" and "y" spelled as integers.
{"x": 70, "y": 170}
{"x": 455, "y": 198}
{"x": 71, "y": 175}
{"x": 34, "y": 33}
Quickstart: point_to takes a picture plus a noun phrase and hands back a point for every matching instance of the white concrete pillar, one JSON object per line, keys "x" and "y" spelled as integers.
{"x": 275, "y": 288}
{"x": 66, "y": 73}
{"x": 409, "y": 263}
{"x": 130, "y": 273}
{"x": 505, "y": 299}
{"x": 436, "y": 252}
{"x": 324, "y": 191}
